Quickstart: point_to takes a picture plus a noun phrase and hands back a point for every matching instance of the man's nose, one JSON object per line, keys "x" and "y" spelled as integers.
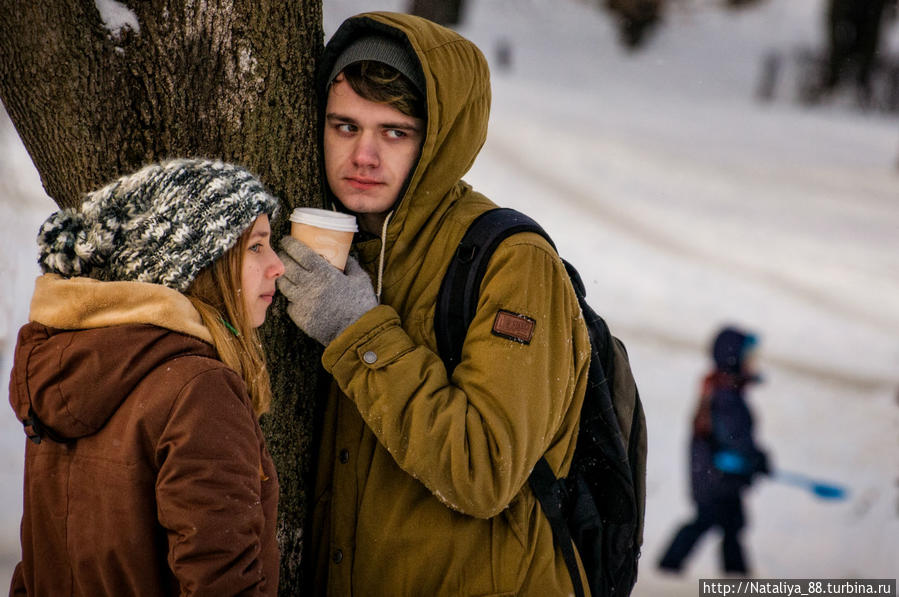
{"x": 365, "y": 152}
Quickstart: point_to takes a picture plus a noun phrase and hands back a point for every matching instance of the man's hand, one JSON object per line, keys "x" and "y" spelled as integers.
{"x": 323, "y": 300}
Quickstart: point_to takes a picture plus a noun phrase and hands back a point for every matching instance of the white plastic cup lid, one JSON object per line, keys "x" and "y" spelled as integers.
{"x": 322, "y": 218}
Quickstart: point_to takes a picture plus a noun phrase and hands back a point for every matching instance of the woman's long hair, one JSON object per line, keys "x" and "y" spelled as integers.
{"x": 216, "y": 294}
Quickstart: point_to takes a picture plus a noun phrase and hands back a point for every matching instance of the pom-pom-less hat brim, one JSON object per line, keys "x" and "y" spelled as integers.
{"x": 379, "y": 48}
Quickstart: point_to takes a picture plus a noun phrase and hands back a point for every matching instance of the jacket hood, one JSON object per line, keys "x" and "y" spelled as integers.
{"x": 72, "y": 372}
{"x": 457, "y": 89}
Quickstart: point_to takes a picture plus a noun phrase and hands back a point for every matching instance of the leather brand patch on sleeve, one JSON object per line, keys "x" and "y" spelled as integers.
{"x": 514, "y": 326}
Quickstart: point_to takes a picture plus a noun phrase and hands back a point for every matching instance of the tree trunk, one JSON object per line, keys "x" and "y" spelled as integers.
{"x": 98, "y": 89}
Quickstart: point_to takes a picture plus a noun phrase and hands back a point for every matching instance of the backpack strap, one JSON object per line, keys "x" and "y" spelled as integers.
{"x": 551, "y": 494}
{"x": 457, "y": 300}
{"x": 457, "y": 303}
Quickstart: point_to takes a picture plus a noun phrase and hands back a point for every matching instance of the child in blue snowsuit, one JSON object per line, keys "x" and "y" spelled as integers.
{"x": 724, "y": 455}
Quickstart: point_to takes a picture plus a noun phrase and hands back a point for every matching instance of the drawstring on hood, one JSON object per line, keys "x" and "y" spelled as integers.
{"x": 381, "y": 255}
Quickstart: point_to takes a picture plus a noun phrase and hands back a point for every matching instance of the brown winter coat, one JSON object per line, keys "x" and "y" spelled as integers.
{"x": 163, "y": 485}
{"x": 422, "y": 479}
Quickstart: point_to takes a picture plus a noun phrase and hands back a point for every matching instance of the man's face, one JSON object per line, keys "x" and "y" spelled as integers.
{"x": 369, "y": 150}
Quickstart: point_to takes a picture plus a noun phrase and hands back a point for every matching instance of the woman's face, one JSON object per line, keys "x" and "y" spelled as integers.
{"x": 261, "y": 267}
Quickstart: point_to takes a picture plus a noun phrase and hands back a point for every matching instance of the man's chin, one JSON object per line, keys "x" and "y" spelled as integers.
{"x": 363, "y": 203}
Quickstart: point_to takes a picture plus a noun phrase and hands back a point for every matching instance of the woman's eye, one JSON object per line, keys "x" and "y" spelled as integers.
{"x": 256, "y": 248}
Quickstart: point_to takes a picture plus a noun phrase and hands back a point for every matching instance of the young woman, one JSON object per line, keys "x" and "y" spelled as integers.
{"x": 139, "y": 381}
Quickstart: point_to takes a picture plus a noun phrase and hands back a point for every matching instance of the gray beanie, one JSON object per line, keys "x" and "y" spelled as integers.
{"x": 379, "y": 48}
{"x": 162, "y": 225}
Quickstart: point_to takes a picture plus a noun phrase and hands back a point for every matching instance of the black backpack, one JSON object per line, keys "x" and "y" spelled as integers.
{"x": 599, "y": 506}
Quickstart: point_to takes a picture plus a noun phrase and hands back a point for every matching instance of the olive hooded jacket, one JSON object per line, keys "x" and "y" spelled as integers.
{"x": 422, "y": 479}
{"x": 151, "y": 477}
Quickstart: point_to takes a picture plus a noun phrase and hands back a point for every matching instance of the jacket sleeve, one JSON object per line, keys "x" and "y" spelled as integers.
{"x": 208, "y": 488}
{"x": 733, "y": 435}
{"x": 473, "y": 440}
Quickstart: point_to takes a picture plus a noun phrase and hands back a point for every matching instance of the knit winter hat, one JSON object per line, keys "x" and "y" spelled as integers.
{"x": 162, "y": 224}
{"x": 384, "y": 49}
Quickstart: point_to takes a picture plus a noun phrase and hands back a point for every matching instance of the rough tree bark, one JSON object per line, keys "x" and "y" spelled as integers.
{"x": 98, "y": 88}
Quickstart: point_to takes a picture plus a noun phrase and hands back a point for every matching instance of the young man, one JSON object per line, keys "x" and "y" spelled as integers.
{"x": 422, "y": 479}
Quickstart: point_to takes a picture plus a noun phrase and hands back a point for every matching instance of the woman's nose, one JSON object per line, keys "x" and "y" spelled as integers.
{"x": 276, "y": 269}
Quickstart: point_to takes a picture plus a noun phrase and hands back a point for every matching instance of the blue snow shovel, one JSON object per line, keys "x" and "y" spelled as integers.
{"x": 732, "y": 462}
{"x": 822, "y": 490}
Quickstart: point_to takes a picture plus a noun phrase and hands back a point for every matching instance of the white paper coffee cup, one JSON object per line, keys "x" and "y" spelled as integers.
{"x": 328, "y": 233}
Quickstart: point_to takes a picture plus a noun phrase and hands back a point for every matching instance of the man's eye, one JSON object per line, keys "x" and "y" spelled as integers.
{"x": 396, "y": 133}
{"x": 346, "y": 128}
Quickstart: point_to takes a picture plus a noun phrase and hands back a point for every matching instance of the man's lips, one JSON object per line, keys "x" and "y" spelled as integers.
{"x": 362, "y": 183}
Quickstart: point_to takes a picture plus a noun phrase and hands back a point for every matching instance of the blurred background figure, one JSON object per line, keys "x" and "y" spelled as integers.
{"x": 636, "y": 18}
{"x": 853, "y": 28}
{"x": 503, "y": 53}
{"x": 724, "y": 455}
{"x": 740, "y": 3}
{"x": 446, "y": 12}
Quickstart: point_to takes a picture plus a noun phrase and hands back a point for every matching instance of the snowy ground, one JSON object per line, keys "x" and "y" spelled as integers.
{"x": 685, "y": 204}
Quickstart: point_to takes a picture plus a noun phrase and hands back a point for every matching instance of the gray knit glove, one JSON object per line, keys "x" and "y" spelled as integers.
{"x": 323, "y": 300}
